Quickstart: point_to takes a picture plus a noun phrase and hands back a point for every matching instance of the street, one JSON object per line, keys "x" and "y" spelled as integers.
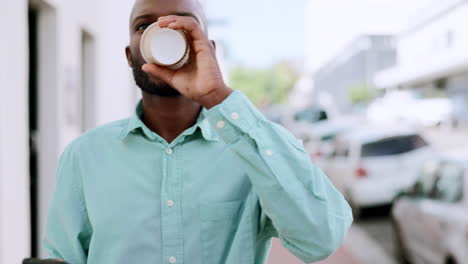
{"x": 369, "y": 241}
{"x": 371, "y": 238}
{"x": 280, "y": 255}
{"x": 376, "y": 223}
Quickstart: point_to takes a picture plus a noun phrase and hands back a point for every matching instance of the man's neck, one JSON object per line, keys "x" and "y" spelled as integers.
{"x": 169, "y": 116}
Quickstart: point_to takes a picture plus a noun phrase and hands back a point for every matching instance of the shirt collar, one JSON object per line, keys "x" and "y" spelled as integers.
{"x": 135, "y": 122}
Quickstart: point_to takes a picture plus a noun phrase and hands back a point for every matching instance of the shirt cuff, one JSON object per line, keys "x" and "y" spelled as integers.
{"x": 235, "y": 116}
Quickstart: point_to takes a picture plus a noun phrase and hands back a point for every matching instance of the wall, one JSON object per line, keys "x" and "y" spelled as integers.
{"x": 444, "y": 37}
{"x": 353, "y": 67}
{"x": 14, "y": 180}
{"x": 59, "y": 89}
{"x": 437, "y": 48}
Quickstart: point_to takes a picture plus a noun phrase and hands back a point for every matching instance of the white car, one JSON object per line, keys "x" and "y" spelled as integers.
{"x": 371, "y": 166}
{"x": 318, "y": 141}
{"x": 431, "y": 220}
{"x": 429, "y": 112}
{"x": 391, "y": 107}
{"x": 303, "y": 121}
{"x": 411, "y": 109}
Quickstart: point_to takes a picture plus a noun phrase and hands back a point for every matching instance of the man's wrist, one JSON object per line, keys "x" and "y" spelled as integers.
{"x": 216, "y": 97}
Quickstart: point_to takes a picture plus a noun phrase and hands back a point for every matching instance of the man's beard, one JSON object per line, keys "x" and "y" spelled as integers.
{"x": 159, "y": 88}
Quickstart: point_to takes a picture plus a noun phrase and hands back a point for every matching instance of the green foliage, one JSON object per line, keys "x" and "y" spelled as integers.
{"x": 361, "y": 94}
{"x": 264, "y": 86}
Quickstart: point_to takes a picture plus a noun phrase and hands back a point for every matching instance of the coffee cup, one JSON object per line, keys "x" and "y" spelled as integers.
{"x": 165, "y": 47}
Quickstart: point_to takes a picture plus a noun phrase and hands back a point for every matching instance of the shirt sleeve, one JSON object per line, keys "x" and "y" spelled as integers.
{"x": 68, "y": 230}
{"x": 299, "y": 203}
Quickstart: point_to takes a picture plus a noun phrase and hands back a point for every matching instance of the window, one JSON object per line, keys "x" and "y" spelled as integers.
{"x": 393, "y": 146}
{"x": 428, "y": 175}
{"x": 449, "y": 186}
{"x": 341, "y": 149}
{"x": 311, "y": 115}
{"x": 449, "y": 36}
{"x": 88, "y": 79}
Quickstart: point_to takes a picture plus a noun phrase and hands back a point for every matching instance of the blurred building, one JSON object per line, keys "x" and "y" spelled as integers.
{"x": 301, "y": 93}
{"x": 433, "y": 55}
{"x": 353, "y": 68}
{"x": 63, "y": 70}
{"x": 218, "y": 31}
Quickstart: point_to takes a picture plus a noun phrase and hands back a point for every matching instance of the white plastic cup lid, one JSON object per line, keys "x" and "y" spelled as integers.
{"x": 168, "y": 46}
{"x": 164, "y": 46}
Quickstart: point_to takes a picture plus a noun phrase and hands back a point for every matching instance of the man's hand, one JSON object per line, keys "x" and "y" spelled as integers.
{"x": 201, "y": 79}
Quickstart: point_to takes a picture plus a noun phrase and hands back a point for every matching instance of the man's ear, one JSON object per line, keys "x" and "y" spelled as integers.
{"x": 214, "y": 43}
{"x": 128, "y": 53}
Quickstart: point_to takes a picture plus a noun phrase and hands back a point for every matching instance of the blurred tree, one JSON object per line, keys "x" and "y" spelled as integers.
{"x": 265, "y": 86}
{"x": 361, "y": 94}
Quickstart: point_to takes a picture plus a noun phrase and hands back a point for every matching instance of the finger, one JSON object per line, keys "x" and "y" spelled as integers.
{"x": 189, "y": 24}
{"x": 158, "y": 72}
{"x": 164, "y": 21}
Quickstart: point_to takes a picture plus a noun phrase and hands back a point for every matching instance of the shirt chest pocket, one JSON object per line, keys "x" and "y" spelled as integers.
{"x": 221, "y": 234}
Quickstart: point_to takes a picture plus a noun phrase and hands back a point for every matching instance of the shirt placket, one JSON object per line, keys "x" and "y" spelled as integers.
{"x": 171, "y": 217}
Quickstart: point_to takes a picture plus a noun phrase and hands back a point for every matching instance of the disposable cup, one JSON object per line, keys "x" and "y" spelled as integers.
{"x": 165, "y": 46}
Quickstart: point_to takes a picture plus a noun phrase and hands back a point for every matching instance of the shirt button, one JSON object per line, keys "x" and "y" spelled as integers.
{"x": 172, "y": 260}
{"x": 169, "y": 151}
{"x": 170, "y": 203}
{"x": 220, "y": 124}
{"x": 269, "y": 152}
{"x": 235, "y": 116}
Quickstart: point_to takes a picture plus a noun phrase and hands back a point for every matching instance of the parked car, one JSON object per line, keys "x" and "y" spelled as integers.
{"x": 429, "y": 112}
{"x": 431, "y": 220}
{"x": 318, "y": 141}
{"x": 389, "y": 108}
{"x": 371, "y": 166}
{"x": 460, "y": 115}
{"x": 410, "y": 108}
{"x": 302, "y": 121}
{"x": 311, "y": 115}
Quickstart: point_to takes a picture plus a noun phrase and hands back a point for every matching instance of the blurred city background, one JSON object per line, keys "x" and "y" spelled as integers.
{"x": 377, "y": 90}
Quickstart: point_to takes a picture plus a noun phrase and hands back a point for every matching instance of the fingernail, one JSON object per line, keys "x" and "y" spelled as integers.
{"x": 144, "y": 67}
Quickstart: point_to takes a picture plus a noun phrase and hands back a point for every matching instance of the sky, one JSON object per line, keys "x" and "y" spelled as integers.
{"x": 261, "y": 32}
{"x": 332, "y": 24}
{"x": 258, "y": 33}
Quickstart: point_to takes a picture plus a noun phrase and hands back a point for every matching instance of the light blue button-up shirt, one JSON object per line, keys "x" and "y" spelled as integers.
{"x": 217, "y": 194}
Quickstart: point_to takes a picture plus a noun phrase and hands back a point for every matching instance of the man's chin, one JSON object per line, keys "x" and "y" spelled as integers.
{"x": 153, "y": 87}
{"x": 163, "y": 91}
